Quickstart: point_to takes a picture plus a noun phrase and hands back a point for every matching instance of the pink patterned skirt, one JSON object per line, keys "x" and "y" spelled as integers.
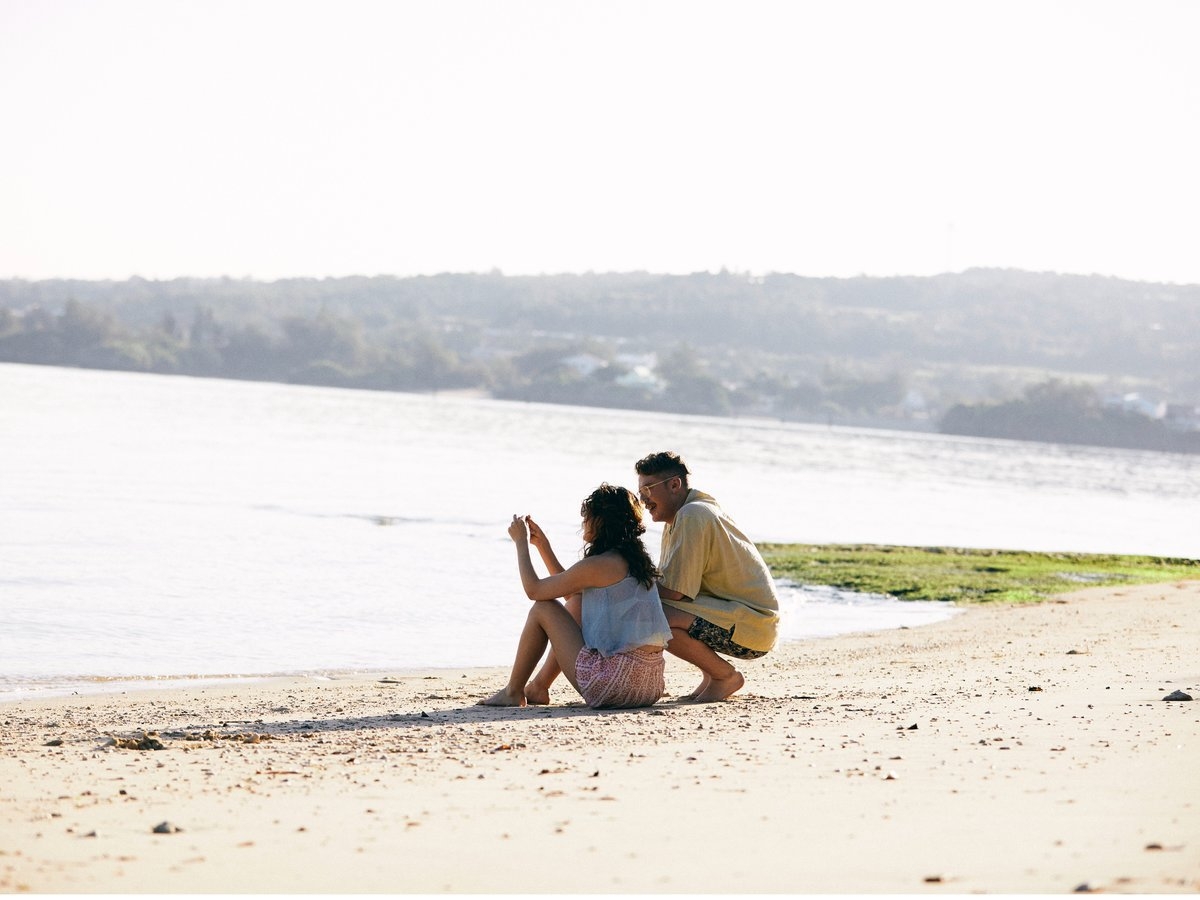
{"x": 623, "y": 680}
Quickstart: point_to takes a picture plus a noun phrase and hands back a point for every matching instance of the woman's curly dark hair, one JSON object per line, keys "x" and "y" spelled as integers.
{"x": 617, "y": 518}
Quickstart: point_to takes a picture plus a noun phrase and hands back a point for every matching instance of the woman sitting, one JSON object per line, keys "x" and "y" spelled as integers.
{"x": 616, "y": 658}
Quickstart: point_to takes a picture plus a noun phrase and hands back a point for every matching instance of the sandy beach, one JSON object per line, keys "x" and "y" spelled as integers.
{"x": 1007, "y": 750}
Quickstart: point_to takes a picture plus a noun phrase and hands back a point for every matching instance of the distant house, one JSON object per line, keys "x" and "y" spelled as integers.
{"x": 1136, "y": 403}
{"x": 1182, "y": 416}
{"x": 914, "y": 405}
{"x": 640, "y": 377}
{"x": 648, "y": 361}
{"x": 583, "y": 364}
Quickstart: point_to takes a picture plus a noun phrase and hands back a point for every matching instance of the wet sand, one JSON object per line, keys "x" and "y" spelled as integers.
{"x": 1006, "y": 750}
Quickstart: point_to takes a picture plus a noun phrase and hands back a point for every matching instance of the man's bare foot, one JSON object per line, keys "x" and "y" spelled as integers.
{"x": 536, "y": 695}
{"x": 721, "y": 688}
{"x": 503, "y": 697}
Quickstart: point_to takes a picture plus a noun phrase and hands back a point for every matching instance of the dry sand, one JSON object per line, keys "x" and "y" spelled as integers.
{"x": 1008, "y": 750}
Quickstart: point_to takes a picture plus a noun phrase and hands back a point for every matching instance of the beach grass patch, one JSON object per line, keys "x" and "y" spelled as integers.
{"x": 965, "y": 575}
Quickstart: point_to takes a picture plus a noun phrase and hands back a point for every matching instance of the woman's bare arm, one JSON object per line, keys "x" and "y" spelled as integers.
{"x": 593, "y": 571}
{"x": 538, "y": 538}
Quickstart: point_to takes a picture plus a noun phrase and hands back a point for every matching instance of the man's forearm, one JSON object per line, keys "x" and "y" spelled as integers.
{"x": 667, "y": 594}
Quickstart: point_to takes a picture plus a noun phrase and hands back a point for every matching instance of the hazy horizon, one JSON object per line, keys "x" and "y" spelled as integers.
{"x": 311, "y": 139}
{"x": 498, "y": 272}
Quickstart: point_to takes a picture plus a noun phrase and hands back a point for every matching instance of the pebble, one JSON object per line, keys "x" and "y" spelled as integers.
{"x": 1177, "y": 695}
{"x": 166, "y": 828}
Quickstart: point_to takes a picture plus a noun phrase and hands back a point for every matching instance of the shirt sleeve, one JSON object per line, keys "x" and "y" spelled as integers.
{"x": 683, "y": 562}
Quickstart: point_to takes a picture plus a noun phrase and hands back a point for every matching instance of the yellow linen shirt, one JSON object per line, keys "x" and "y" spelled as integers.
{"x": 706, "y": 557}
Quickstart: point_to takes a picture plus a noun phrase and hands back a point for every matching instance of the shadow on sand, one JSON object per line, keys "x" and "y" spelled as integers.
{"x": 257, "y": 730}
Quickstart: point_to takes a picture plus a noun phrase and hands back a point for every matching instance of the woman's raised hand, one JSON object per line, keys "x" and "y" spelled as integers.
{"x": 537, "y": 537}
{"x": 518, "y": 530}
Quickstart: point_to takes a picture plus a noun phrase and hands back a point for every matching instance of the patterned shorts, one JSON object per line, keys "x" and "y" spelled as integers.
{"x": 721, "y": 640}
{"x": 623, "y": 680}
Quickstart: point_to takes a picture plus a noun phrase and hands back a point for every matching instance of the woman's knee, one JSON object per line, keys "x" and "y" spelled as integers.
{"x": 543, "y": 611}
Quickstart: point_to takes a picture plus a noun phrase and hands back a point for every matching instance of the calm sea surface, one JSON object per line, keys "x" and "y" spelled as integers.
{"x": 159, "y": 527}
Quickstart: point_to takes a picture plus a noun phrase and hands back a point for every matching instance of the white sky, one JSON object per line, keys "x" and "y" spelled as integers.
{"x": 307, "y": 138}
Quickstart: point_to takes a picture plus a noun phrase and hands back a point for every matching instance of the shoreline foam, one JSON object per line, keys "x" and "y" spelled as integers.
{"x": 826, "y": 612}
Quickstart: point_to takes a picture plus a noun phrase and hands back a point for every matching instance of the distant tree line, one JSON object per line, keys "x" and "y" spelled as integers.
{"x": 323, "y": 349}
{"x": 895, "y": 352}
{"x": 1067, "y": 414}
{"x": 980, "y": 316}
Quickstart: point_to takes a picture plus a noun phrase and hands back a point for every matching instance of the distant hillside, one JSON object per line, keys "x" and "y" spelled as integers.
{"x": 983, "y": 315}
{"x": 897, "y": 352}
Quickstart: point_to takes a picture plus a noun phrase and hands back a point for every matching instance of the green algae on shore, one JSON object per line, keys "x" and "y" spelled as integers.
{"x": 965, "y": 575}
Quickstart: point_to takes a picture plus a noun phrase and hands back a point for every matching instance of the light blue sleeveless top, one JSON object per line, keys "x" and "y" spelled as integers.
{"x": 623, "y": 616}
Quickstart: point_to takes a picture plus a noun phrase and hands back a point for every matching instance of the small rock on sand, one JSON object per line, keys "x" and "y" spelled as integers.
{"x": 1177, "y": 695}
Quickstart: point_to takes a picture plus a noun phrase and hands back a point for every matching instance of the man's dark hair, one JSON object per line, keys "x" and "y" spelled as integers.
{"x": 665, "y": 464}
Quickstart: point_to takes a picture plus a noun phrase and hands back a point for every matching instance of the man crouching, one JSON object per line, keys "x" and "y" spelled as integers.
{"x": 716, "y": 589}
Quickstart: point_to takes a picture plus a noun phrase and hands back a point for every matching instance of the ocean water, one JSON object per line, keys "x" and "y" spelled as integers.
{"x": 156, "y": 527}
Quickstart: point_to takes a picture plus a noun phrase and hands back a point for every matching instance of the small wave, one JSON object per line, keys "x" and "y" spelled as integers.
{"x": 812, "y": 611}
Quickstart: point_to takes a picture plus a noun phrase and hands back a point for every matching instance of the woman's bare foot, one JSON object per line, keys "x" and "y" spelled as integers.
{"x": 536, "y": 695}
{"x": 691, "y": 698}
{"x": 504, "y": 697}
{"x": 720, "y": 688}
